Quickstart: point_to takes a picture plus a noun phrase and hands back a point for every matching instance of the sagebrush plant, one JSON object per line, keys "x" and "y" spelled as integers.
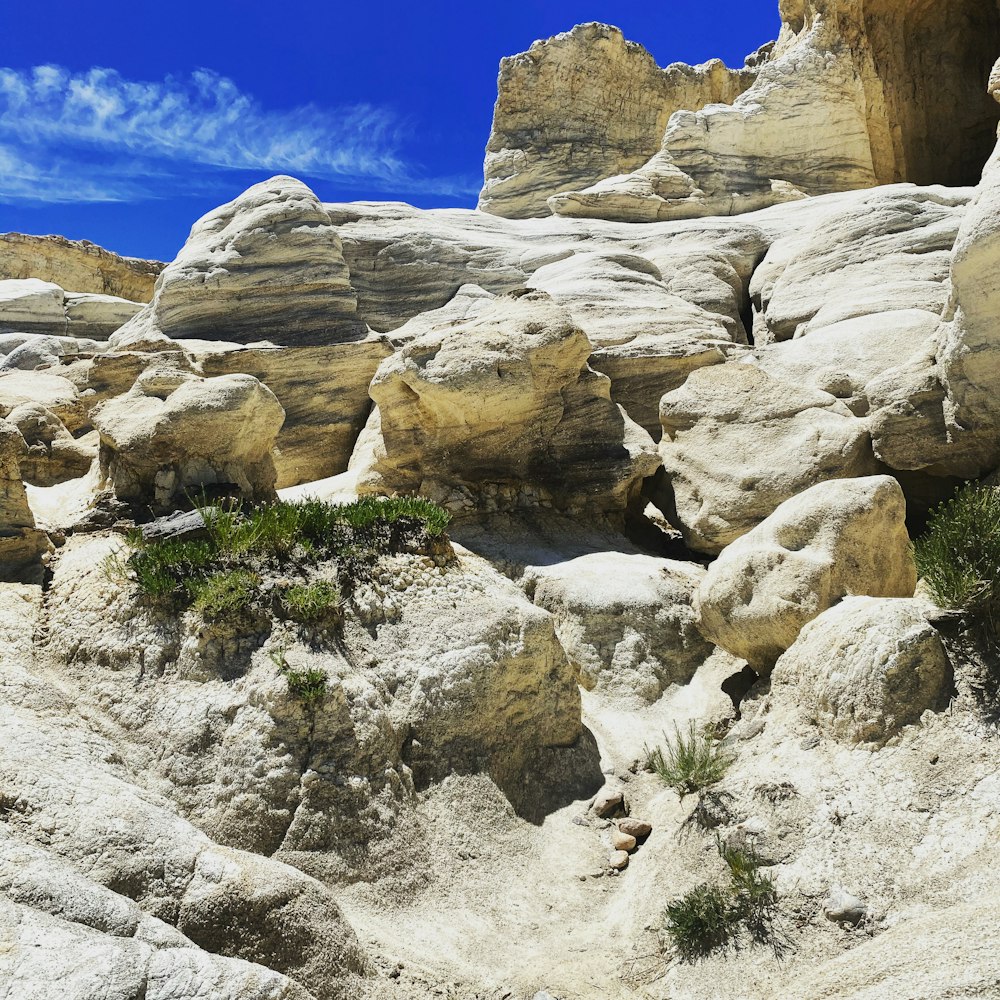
{"x": 690, "y": 761}
{"x": 958, "y": 555}
{"x": 172, "y": 573}
{"x": 711, "y": 916}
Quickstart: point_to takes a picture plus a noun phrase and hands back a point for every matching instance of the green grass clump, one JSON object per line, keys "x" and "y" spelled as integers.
{"x": 710, "y": 916}
{"x": 308, "y": 686}
{"x": 690, "y": 761}
{"x": 174, "y": 573}
{"x": 224, "y": 595}
{"x": 312, "y": 602}
{"x": 959, "y": 554}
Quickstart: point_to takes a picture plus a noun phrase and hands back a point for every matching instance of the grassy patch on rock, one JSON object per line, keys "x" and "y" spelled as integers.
{"x": 221, "y": 573}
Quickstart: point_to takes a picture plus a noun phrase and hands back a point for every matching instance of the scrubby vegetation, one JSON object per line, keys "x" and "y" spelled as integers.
{"x": 712, "y": 916}
{"x": 306, "y": 686}
{"x": 959, "y": 554}
{"x": 219, "y": 574}
{"x": 690, "y": 761}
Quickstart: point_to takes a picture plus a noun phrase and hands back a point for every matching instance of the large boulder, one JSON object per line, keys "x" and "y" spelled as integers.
{"x": 173, "y": 434}
{"x": 266, "y": 266}
{"x": 865, "y": 668}
{"x": 737, "y": 443}
{"x": 837, "y": 539}
{"x": 504, "y": 411}
{"x": 52, "y": 454}
{"x": 625, "y": 621}
{"x": 584, "y": 105}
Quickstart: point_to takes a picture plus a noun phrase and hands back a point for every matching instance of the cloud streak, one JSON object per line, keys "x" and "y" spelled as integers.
{"x": 97, "y": 136}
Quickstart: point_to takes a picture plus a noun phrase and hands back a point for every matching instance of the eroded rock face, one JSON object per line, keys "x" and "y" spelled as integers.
{"x": 584, "y": 105}
{"x": 174, "y": 434}
{"x": 77, "y": 264}
{"x": 865, "y": 668}
{"x": 52, "y": 455}
{"x": 267, "y": 266}
{"x": 504, "y": 411}
{"x": 737, "y": 443}
{"x": 22, "y": 545}
{"x": 839, "y": 538}
{"x": 625, "y": 621}
{"x": 33, "y": 306}
{"x": 854, "y": 93}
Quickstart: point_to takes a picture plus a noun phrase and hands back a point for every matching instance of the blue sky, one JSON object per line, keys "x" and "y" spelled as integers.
{"x": 122, "y": 122}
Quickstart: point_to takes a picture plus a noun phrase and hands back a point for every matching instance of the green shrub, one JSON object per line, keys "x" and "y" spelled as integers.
{"x": 163, "y": 569}
{"x": 225, "y": 594}
{"x": 308, "y": 686}
{"x": 691, "y": 761}
{"x": 711, "y": 916}
{"x": 312, "y": 602}
{"x": 959, "y": 554}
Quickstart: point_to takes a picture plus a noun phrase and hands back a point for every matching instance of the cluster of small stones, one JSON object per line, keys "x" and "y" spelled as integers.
{"x": 626, "y": 833}
{"x": 381, "y": 597}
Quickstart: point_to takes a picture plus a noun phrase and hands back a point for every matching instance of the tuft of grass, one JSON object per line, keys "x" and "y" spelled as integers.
{"x": 224, "y": 595}
{"x": 312, "y": 602}
{"x": 959, "y": 554}
{"x": 690, "y": 761}
{"x": 711, "y": 916}
{"x": 164, "y": 569}
{"x": 307, "y": 686}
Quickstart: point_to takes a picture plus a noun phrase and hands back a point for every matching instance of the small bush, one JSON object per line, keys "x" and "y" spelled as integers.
{"x": 959, "y": 554}
{"x": 308, "y": 686}
{"x": 224, "y": 595}
{"x": 164, "y": 569}
{"x": 711, "y": 916}
{"x": 691, "y": 761}
{"x": 311, "y": 603}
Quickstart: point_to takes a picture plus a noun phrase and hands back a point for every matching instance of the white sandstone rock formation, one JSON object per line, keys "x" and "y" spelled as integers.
{"x": 836, "y": 539}
{"x": 865, "y": 668}
{"x": 625, "y": 621}
{"x": 584, "y": 105}
{"x": 854, "y": 93}
{"x": 267, "y": 266}
{"x": 52, "y": 454}
{"x": 173, "y": 434}
{"x": 33, "y": 306}
{"x": 502, "y": 412}
{"x": 737, "y": 443}
{"x": 22, "y": 545}
{"x": 77, "y": 264}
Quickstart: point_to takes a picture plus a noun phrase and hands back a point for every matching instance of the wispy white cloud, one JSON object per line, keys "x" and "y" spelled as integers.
{"x": 97, "y": 136}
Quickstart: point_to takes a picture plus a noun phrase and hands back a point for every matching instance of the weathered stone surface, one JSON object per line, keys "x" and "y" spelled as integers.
{"x": 173, "y": 434}
{"x": 324, "y": 393}
{"x": 54, "y": 392}
{"x": 836, "y": 539}
{"x": 267, "y": 266}
{"x": 21, "y": 544}
{"x": 625, "y": 621}
{"x": 865, "y": 668}
{"x": 52, "y": 454}
{"x": 853, "y": 94}
{"x": 737, "y": 443}
{"x": 33, "y": 306}
{"x": 503, "y": 412}
{"x": 77, "y": 264}
{"x": 584, "y": 105}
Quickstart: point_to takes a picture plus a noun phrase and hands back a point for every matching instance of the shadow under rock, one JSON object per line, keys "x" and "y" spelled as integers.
{"x": 555, "y": 777}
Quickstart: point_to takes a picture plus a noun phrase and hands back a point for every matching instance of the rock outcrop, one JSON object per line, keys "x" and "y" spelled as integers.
{"x": 582, "y": 106}
{"x": 854, "y": 93}
{"x": 267, "y": 266}
{"x": 865, "y": 668}
{"x": 77, "y": 264}
{"x": 813, "y": 551}
{"x": 22, "y": 545}
{"x": 33, "y": 306}
{"x": 173, "y": 434}
{"x": 503, "y": 412}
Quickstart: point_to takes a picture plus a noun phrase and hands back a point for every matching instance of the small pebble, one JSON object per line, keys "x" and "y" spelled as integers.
{"x": 637, "y": 828}
{"x": 618, "y": 860}
{"x": 622, "y": 841}
{"x": 608, "y": 802}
